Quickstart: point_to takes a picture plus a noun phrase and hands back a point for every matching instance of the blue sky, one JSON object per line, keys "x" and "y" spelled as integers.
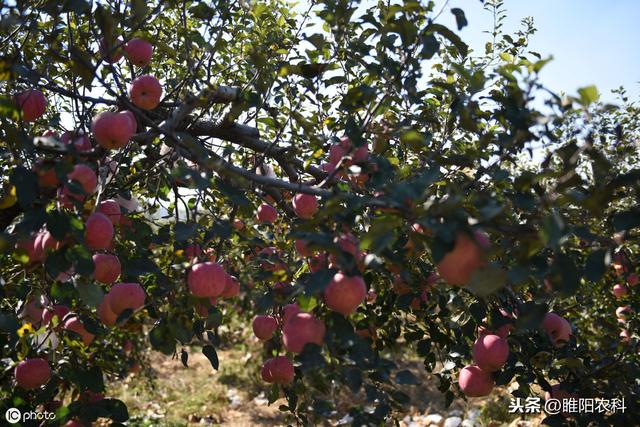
{"x": 591, "y": 41}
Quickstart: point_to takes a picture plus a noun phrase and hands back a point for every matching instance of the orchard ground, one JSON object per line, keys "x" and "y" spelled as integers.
{"x": 167, "y": 393}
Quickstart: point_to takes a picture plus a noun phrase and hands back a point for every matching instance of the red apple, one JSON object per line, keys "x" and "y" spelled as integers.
{"x": 59, "y": 311}
{"x": 345, "y": 293}
{"x": 317, "y": 262}
{"x": 105, "y": 314}
{"x": 558, "y": 329}
{"x": 107, "y": 268}
{"x": 46, "y": 172}
{"x": 207, "y": 279}
{"x": 145, "y": 92}
{"x": 231, "y": 288}
{"x": 278, "y": 370}
{"x": 305, "y": 205}
{"x": 289, "y": 310}
{"x": 74, "y": 324}
{"x": 111, "y": 51}
{"x": 490, "y": 352}
{"x": 79, "y": 140}
{"x": 85, "y": 176}
{"x": 264, "y": 327}
{"x": 632, "y": 279}
{"x": 139, "y": 52}
{"x": 124, "y": 296}
{"x": 475, "y": 382}
{"x": 111, "y": 209}
{"x": 238, "y": 224}
{"x": 113, "y": 130}
{"x": 620, "y": 291}
{"x": 32, "y": 373}
{"x": 32, "y": 103}
{"x": 458, "y": 265}
{"x": 302, "y": 247}
{"x": 98, "y": 231}
{"x": 301, "y": 329}
{"x": 267, "y": 214}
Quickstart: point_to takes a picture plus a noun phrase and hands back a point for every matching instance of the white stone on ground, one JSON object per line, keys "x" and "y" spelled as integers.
{"x": 452, "y": 422}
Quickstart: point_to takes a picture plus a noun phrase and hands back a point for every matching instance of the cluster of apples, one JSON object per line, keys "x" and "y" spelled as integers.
{"x": 622, "y": 270}
{"x": 298, "y": 329}
{"x": 491, "y": 351}
{"x": 344, "y": 155}
{"x": 110, "y": 130}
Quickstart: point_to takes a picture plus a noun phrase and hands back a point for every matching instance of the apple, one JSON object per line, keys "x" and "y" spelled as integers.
{"x": 105, "y": 314}
{"x": 85, "y": 176}
{"x": 192, "y": 251}
{"x": 264, "y": 327}
{"x": 111, "y": 209}
{"x": 490, "y": 352}
{"x": 139, "y": 52}
{"x": 125, "y": 296}
{"x": 98, "y": 231}
{"x": 289, "y": 310}
{"x": 343, "y": 148}
{"x": 620, "y": 291}
{"x": 302, "y": 246}
{"x": 128, "y": 346}
{"x": 74, "y": 324}
{"x": 267, "y": 214}
{"x": 278, "y": 370}
{"x": 113, "y": 130}
{"x": 347, "y": 242}
{"x": 33, "y": 309}
{"x": 73, "y": 423}
{"x": 625, "y": 336}
{"x": 46, "y": 172}
{"x": 557, "y": 392}
{"x": 557, "y": 327}
{"x": 111, "y": 51}
{"x": 34, "y": 253}
{"x": 32, "y": 103}
{"x": 32, "y": 373}
{"x": 238, "y": 224}
{"x": 621, "y": 313}
{"x": 458, "y": 265}
{"x": 345, "y": 293}
{"x": 145, "y": 92}
{"x": 80, "y": 140}
{"x": 317, "y": 262}
{"x": 107, "y": 268}
{"x": 59, "y": 311}
{"x": 231, "y": 288}
{"x": 305, "y": 205}
{"x": 301, "y": 329}
{"x": 475, "y": 382}
{"x": 632, "y": 279}
{"x": 49, "y": 243}
{"x": 207, "y": 279}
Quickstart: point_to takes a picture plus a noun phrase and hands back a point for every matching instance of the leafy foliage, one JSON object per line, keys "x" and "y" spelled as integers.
{"x": 255, "y": 95}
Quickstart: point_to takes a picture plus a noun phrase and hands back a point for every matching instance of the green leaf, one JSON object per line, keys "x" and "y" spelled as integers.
{"x": 487, "y": 280}
{"x": 26, "y": 183}
{"x": 461, "y": 20}
{"x": 90, "y": 293}
{"x": 462, "y": 47}
{"x": 184, "y": 231}
{"x": 596, "y": 264}
{"x": 588, "y": 95}
{"x": 212, "y": 355}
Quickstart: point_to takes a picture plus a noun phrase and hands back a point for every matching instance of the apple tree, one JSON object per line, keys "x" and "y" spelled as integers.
{"x": 352, "y": 180}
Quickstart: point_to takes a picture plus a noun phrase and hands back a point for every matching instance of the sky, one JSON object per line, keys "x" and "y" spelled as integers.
{"x": 592, "y": 41}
